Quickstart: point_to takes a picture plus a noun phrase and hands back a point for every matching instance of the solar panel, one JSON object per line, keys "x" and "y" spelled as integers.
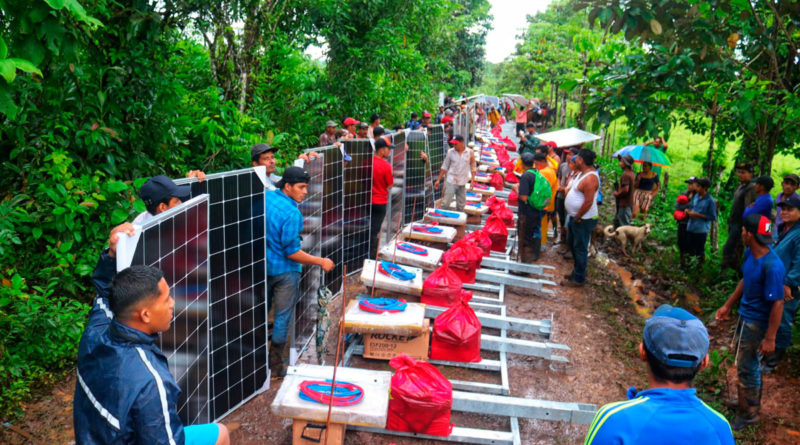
{"x": 332, "y": 211}
{"x": 416, "y": 199}
{"x": 176, "y": 241}
{"x": 394, "y": 209}
{"x": 357, "y": 203}
{"x": 237, "y": 280}
{"x": 437, "y": 147}
{"x": 305, "y": 313}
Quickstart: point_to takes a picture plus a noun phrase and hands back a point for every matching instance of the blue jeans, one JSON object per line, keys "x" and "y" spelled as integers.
{"x": 748, "y": 358}
{"x": 578, "y": 237}
{"x": 784, "y": 337}
{"x": 284, "y": 293}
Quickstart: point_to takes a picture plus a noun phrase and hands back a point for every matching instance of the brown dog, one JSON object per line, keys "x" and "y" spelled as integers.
{"x": 623, "y": 234}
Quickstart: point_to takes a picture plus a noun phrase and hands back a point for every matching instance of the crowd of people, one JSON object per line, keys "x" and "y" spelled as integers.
{"x": 126, "y": 393}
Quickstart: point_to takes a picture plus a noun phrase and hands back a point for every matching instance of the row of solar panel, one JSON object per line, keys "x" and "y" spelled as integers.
{"x": 212, "y": 251}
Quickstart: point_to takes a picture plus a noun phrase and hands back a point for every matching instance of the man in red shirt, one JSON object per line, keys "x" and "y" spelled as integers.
{"x": 382, "y": 180}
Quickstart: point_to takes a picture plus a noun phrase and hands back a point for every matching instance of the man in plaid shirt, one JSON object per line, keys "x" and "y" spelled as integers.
{"x": 285, "y": 258}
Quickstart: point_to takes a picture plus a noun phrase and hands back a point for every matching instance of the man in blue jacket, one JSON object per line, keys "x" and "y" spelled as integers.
{"x": 702, "y": 212}
{"x": 125, "y": 393}
{"x": 787, "y": 247}
{"x": 675, "y": 348}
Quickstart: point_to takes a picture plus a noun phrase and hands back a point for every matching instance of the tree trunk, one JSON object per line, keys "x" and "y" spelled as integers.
{"x": 563, "y": 120}
{"x": 710, "y": 157}
{"x": 584, "y": 91}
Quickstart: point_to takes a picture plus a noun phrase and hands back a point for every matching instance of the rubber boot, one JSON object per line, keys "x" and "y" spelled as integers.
{"x": 749, "y": 406}
{"x": 526, "y": 255}
{"x": 536, "y": 249}
{"x": 276, "y": 365}
{"x": 770, "y": 362}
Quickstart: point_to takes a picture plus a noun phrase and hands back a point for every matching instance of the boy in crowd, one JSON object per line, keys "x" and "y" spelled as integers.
{"x": 763, "y": 203}
{"x": 624, "y": 194}
{"x": 760, "y": 295}
{"x": 675, "y": 348}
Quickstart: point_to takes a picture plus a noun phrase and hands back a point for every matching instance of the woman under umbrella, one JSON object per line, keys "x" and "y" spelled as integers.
{"x": 646, "y": 187}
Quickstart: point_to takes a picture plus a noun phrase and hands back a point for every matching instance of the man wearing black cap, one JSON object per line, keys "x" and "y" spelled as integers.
{"x": 744, "y": 195}
{"x": 787, "y": 247}
{"x": 374, "y": 122}
{"x": 763, "y": 203}
{"x": 329, "y": 136}
{"x": 285, "y": 258}
{"x": 530, "y": 239}
{"x": 675, "y": 348}
{"x": 382, "y": 180}
{"x": 761, "y": 291}
{"x": 459, "y": 166}
{"x": 624, "y": 193}
{"x": 701, "y": 213}
{"x": 790, "y": 184}
{"x": 159, "y": 193}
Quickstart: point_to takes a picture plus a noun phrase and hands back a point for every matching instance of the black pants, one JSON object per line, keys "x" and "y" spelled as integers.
{"x": 696, "y": 245}
{"x": 375, "y": 223}
{"x": 520, "y": 127}
{"x": 561, "y": 211}
{"x": 682, "y": 242}
{"x": 733, "y": 250}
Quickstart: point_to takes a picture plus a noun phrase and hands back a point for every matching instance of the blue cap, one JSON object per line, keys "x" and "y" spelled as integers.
{"x": 673, "y": 331}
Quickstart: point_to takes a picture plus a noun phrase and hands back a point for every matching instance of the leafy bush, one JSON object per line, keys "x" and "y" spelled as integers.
{"x": 39, "y": 335}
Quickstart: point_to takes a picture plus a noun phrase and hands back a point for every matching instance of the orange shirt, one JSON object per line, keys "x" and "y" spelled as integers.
{"x": 550, "y": 175}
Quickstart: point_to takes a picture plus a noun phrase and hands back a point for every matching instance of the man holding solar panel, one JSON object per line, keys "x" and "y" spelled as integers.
{"x": 285, "y": 258}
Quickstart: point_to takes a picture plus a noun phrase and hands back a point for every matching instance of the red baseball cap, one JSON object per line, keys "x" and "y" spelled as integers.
{"x": 426, "y": 114}
{"x": 551, "y": 144}
{"x": 456, "y": 140}
{"x": 350, "y": 121}
{"x": 447, "y": 119}
{"x": 760, "y": 226}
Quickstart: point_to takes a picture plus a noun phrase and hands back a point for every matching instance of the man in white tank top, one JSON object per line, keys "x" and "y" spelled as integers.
{"x": 581, "y": 205}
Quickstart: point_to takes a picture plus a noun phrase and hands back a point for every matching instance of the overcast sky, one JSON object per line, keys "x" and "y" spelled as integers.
{"x": 509, "y": 21}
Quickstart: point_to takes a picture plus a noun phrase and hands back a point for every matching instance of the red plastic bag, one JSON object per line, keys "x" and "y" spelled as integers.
{"x": 497, "y": 181}
{"x": 497, "y": 231}
{"x": 457, "y": 335}
{"x": 420, "y": 399}
{"x": 504, "y": 213}
{"x": 509, "y": 144}
{"x": 442, "y": 287}
{"x": 481, "y": 239}
{"x": 513, "y": 199}
{"x": 502, "y": 155}
{"x": 494, "y": 201}
{"x": 465, "y": 259}
{"x": 511, "y": 178}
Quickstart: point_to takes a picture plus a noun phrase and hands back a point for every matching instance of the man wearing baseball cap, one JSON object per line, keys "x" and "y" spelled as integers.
{"x": 763, "y": 203}
{"x": 285, "y": 258}
{"x": 159, "y": 193}
{"x": 329, "y": 136}
{"x": 701, "y": 213}
{"x": 350, "y": 125}
{"x": 790, "y": 184}
{"x": 760, "y": 295}
{"x": 426, "y": 120}
{"x": 744, "y": 195}
{"x": 787, "y": 247}
{"x": 361, "y": 130}
{"x": 675, "y": 348}
{"x": 459, "y": 166}
{"x": 382, "y": 180}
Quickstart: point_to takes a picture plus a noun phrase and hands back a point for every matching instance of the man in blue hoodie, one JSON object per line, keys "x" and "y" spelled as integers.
{"x": 675, "y": 348}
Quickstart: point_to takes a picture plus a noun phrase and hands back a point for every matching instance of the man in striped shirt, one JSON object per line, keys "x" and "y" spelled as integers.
{"x": 675, "y": 348}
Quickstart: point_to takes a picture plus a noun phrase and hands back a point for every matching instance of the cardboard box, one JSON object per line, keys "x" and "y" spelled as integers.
{"x": 306, "y": 432}
{"x": 388, "y": 346}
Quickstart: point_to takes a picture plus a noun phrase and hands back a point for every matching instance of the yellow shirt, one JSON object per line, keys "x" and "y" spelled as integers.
{"x": 552, "y": 162}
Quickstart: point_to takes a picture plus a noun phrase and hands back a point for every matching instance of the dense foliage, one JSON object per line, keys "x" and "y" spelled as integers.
{"x": 97, "y": 94}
